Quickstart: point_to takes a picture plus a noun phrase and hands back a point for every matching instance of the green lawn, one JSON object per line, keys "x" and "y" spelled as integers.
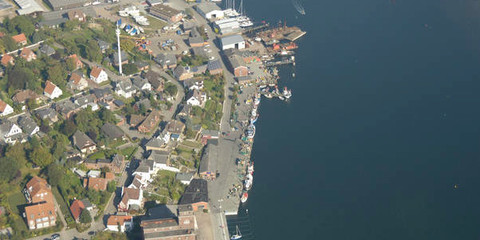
{"x": 129, "y": 151}
{"x": 16, "y": 199}
{"x": 192, "y": 144}
{"x": 155, "y": 24}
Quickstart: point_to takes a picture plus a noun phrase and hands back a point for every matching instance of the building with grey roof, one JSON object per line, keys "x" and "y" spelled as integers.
{"x": 233, "y": 41}
{"x": 47, "y": 50}
{"x": 209, "y": 10}
{"x": 65, "y": 4}
{"x": 166, "y": 60}
{"x": 215, "y": 67}
{"x": 208, "y": 169}
{"x": 184, "y": 178}
{"x": 28, "y": 126}
{"x": 112, "y": 131}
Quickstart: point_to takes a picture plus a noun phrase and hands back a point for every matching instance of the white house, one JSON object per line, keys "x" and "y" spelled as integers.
{"x": 5, "y": 109}
{"x": 8, "y": 130}
{"x": 233, "y": 42}
{"x": 210, "y": 10}
{"x": 196, "y": 98}
{"x": 131, "y": 199}
{"x": 142, "y": 84}
{"x": 118, "y": 223}
{"x": 98, "y": 75}
{"x": 125, "y": 89}
{"x": 52, "y": 91}
{"x": 145, "y": 170}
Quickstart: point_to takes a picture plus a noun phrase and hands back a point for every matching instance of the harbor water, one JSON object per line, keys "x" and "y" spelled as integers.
{"x": 381, "y": 139}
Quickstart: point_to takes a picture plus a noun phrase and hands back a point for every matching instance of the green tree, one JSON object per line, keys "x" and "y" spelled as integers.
{"x": 20, "y": 78}
{"x": 171, "y": 89}
{"x": 68, "y": 127}
{"x": 57, "y": 74}
{"x": 8, "y": 169}
{"x": 10, "y": 44}
{"x": 85, "y": 217}
{"x": 41, "y": 156}
{"x": 21, "y": 24}
{"x": 17, "y": 153}
{"x": 71, "y": 64}
{"x": 129, "y": 69}
{"x": 55, "y": 174}
{"x": 93, "y": 51}
{"x": 111, "y": 186}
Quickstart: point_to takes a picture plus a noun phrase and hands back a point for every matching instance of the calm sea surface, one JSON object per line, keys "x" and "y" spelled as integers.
{"x": 384, "y": 121}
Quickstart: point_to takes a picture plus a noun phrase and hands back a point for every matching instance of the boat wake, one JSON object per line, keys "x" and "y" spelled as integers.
{"x": 298, "y": 5}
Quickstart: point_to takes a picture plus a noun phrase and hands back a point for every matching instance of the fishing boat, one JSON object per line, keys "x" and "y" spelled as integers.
{"x": 251, "y": 131}
{"x": 250, "y": 168}
{"x": 254, "y": 119}
{"x": 244, "y": 197}
{"x": 298, "y": 6}
{"x": 238, "y": 234}
{"x": 248, "y": 182}
{"x": 287, "y": 93}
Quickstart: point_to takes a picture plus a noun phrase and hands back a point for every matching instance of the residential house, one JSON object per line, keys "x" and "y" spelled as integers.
{"x": 5, "y": 109}
{"x": 28, "y": 125}
{"x": 142, "y": 65}
{"x": 95, "y": 183}
{"x": 145, "y": 170}
{"x": 83, "y": 143}
{"x": 155, "y": 144}
{"x": 37, "y": 190}
{"x": 41, "y": 211}
{"x": 142, "y": 84}
{"x": 76, "y": 61}
{"x": 144, "y": 103}
{"x": 76, "y": 208}
{"x": 232, "y": 41}
{"x": 150, "y": 122}
{"x": 28, "y": 54}
{"x": 196, "y": 195}
{"x": 116, "y": 164}
{"x": 10, "y": 132}
{"x": 193, "y": 83}
{"x": 88, "y": 205}
{"x": 208, "y": 169}
{"x": 182, "y": 73}
{"x": 184, "y": 178}
{"x": 47, "y": 114}
{"x": 132, "y": 199}
{"x": 166, "y": 60}
{"x": 197, "y": 70}
{"x": 86, "y": 101}
{"x": 20, "y": 39}
{"x": 115, "y": 58}
{"x": 66, "y": 108}
{"x": 7, "y": 59}
{"x": 77, "y": 81}
{"x": 155, "y": 80}
{"x": 118, "y": 223}
{"x": 238, "y": 66}
{"x": 161, "y": 161}
{"x": 112, "y": 132}
{"x": 102, "y": 94}
{"x": 98, "y": 75}
{"x": 175, "y": 128}
{"x": 103, "y": 45}
{"x": 40, "y": 215}
{"x": 47, "y": 50}
{"x": 199, "y": 52}
{"x": 208, "y": 135}
{"x": 76, "y": 15}
{"x": 166, "y": 13}
{"x": 196, "y": 98}
{"x": 125, "y": 89}
{"x": 22, "y": 96}
{"x": 135, "y": 120}
{"x": 52, "y": 91}
{"x": 214, "y": 67}
{"x": 169, "y": 222}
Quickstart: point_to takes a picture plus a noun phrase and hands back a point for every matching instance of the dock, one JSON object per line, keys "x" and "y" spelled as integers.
{"x": 280, "y": 62}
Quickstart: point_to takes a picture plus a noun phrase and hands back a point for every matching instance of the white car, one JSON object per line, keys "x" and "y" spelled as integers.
{"x": 212, "y": 58}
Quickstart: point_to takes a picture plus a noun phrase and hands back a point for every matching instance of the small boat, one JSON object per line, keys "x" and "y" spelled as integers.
{"x": 238, "y": 234}
{"x": 244, "y": 197}
{"x": 250, "y": 168}
{"x": 254, "y": 119}
{"x": 248, "y": 182}
{"x": 251, "y": 131}
{"x": 268, "y": 95}
{"x": 281, "y": 98}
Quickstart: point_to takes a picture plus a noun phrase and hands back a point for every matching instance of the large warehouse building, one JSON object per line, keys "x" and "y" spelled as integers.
{"x": 65, "y": 4}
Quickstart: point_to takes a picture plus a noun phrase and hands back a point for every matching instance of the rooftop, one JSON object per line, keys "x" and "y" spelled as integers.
{"x": 196, "y": 192}
{"x": 231, "y": 40}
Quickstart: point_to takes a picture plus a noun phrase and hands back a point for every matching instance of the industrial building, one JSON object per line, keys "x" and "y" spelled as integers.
{"x": 210, "y": 10}
{"x": 166, "y": 13}
{"x": 28, "y": 7}
{"x": 65, "y": 4}
{"x": 228, "y": 25}
{"x": 233, "y": 41}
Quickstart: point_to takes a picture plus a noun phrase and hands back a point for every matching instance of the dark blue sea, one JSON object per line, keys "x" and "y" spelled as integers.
{"x": 383, "y": 123}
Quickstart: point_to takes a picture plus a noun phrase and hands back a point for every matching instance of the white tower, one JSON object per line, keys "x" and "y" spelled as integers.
{"x": 119, "y": 52}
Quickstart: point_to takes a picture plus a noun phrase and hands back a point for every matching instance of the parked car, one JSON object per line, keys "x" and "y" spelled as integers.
{"x": 56, "y": 236}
